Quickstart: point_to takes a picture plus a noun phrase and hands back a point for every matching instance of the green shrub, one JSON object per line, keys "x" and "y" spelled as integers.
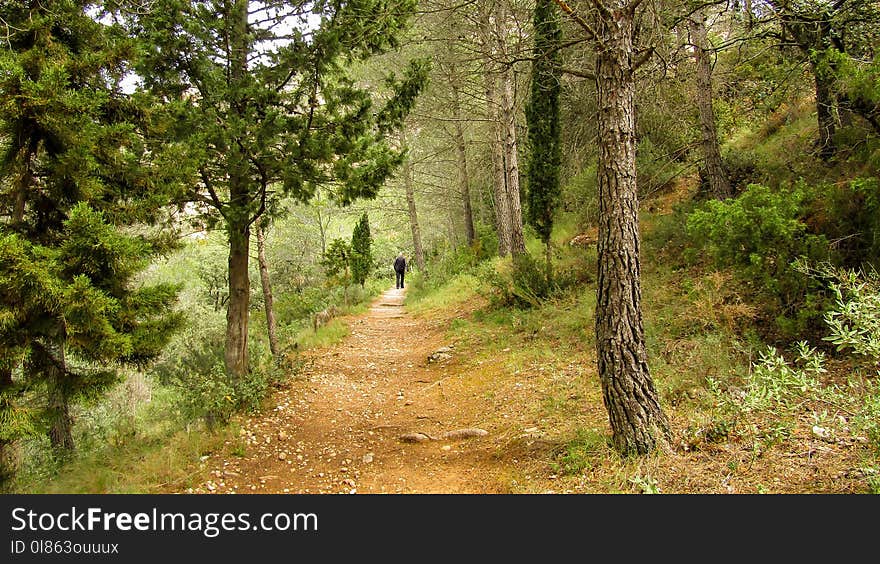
{"x": 848, "y": 214}
{"x": 522, "y": 282}
{"x": 761, "y": 233}
{"x": 742, "y": 169}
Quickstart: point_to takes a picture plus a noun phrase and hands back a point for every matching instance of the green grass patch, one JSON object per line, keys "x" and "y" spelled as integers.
{"x": 326, "y": 335}
{"x": 586, "y": 450}
{"x": 421, "y": 299}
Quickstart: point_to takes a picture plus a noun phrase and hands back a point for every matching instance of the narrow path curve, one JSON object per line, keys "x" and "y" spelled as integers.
{"x": 337, "y": 428}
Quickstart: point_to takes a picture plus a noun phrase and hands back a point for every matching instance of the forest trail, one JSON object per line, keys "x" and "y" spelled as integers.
{"x": 337, "y": 427}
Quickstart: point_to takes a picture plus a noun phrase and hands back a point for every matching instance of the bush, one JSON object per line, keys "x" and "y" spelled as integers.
{"x": 742, "y": 169}
{"x": 520, "y": 282}
{"x": 761, "y": 233}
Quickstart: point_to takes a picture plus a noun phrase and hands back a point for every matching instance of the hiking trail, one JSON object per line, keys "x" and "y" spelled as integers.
{"x": 369, "y": 414}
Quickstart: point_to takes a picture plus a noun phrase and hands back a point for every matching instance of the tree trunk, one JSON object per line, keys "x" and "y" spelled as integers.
{"x": 826, "y": 103}
{"x": 719, "y": 184}
{"x": 502, "y": 203}
{"x": 639, "y": 425}
{"x": 496, "y": 140}
{"x": 238, "y": 211}
{"x": 61, "y": 424}
{"x": 463, "y": 177}
{"x": 25, "y": 186}
{"x": 268, "y": 299}
{"x": 238, "y": 304}
{"x": 507, "y": 115}
{"x": 411, "y": 206}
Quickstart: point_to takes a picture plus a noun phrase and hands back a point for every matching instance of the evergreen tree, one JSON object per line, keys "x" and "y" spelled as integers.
{"x": 361, "y": 255}
{"x": 542, "y": 115}
{"x": 262, "y": 98}
{"x": 80, "y": 206}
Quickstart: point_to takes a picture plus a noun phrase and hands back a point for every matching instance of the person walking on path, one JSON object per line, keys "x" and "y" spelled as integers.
{"x": 400, "y": 269}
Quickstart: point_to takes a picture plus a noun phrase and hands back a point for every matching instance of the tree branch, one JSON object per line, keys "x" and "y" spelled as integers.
{"x": 591, "y": 34}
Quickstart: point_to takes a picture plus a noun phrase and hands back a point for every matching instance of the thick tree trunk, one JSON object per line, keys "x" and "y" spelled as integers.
{"x": 507, "y": 114}
{"x": 238, "y": 304}
{"x": 639, "y": 425}
{"x": 511, "y": 161}
{"x": 719, "y": 185}
{"x": 268, "y": 299}
{"x": 496, "y": 140}
{"x": 238, "y": 212}
{"x": 463, "y": 177}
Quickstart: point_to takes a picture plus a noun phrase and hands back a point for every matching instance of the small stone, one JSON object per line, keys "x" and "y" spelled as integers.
{"x": 282, "y": 456}
{"x": 821, "y": 432}
{"x": 367, "y": 458}
{"x": 446, "y": 447}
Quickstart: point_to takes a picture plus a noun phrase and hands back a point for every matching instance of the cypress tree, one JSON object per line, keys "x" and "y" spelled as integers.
{"x": 266, "y": 107}
{"x": 542, "y": 115}
{"x": 80, "y": 210}
{"x": 361, "y": 254}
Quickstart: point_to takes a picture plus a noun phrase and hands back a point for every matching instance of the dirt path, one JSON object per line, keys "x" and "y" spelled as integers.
{"x": 338, "y": 428}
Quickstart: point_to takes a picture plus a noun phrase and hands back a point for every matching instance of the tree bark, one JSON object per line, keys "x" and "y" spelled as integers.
{"x": 238, "y": 211}
{"x": 719, "y": 185}
{"x": 268, "y": 299}
{"x": 638, "y": 424}
{"x": 502, "y": 203}
{"x": 463, "y": 177}
{"x": 237, "y": 307}
{"x": 507, "y": 115}
{"x": 496, "y": 140}
{"x": 61, "y": 423}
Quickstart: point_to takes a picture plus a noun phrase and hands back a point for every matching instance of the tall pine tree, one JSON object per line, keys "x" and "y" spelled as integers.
{"x": 263, "y": 100}
{"x": 542, "y": 115}
{"x": 80, "y": 207}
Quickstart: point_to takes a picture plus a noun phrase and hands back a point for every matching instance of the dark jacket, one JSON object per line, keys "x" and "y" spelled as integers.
{"x": 400, "y": 264}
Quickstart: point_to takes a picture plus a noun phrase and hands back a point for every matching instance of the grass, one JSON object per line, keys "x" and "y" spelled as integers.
{"x": 326, "y": 335}
{"x": 155, "y": 459}
{"x": 421, "y": 299}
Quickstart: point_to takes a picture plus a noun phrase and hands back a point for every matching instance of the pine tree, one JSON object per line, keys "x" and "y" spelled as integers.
{"x": 361, "y": 254}
{"x": 267, "y": 108}
{"x": 81, "y": 200}
{"x": 542, "y": 115}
